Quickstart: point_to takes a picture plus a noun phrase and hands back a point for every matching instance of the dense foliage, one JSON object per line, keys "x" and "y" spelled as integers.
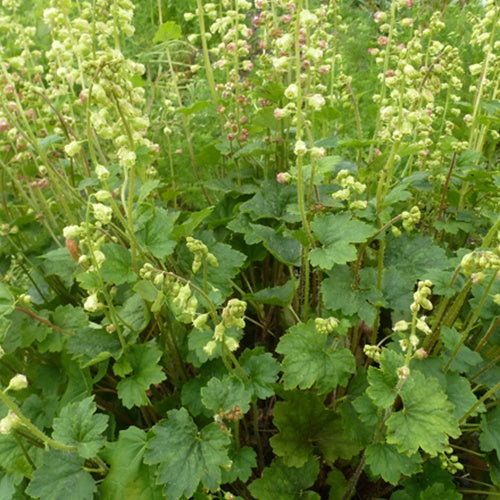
{"x": 249, "y": 250}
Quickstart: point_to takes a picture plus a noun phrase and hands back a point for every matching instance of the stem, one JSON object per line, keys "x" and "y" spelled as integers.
{"x": 34, "y": 430}
{"x": 476, "y": 405}
{"x": 206, "y": 58}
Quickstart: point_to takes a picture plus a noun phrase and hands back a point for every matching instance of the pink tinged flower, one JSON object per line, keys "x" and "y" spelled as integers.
{"x": 382, "y": 41}
{"x": 409, "y": 3}
{"x": 283, "y": 178}
{"x": 179, "y": 151}
{"x": 82, "y": 96}
{"x": 231, "y": 48}
{"x": 243, "y": 119}
{"x": 4, "y": 125}
{"x": 230, "y": 137}
{"x": 373, "y": 51}
{"x": 220, "y": 108}
{"x": 255, "y": 22}
{"x": 379, "y": 16}
{"x": 403, "y": 372}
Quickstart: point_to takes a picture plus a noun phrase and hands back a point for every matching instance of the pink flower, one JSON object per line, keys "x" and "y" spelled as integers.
{"x": 409, "y": 3}
{"x": 379, "y": 16}
{"x": 283, "y": 178}
{"x": 382, "y": 41}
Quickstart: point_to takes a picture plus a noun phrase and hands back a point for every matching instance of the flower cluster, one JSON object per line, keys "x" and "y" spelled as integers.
{"x": 350, "y": 188}
{"x": 201, "y": 254}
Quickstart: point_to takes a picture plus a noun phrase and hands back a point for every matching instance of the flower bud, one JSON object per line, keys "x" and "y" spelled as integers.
{"x": 17, "y": 383}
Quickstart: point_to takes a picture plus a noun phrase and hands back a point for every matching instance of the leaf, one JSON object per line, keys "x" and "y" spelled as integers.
{"x": 128, "y": 476}
{"x": 337, "y": 234}
{"x": 459, "y": 392}
{"x": 413, "y": 256}
{"x": 489, "y": 438}
{"x": 432, "y": 483}
{"x": 305, "y": 425}
{"x": 338, "y": 294}
{"x": 60, "y": 474}
{"x": 197, "y": 106}
{"x": 167, "y": 31}
{"x": 383, "y": 381}
{"x": 279, "y": 482}
{"x": 117, "y": 267}
{"x": 230, "y": 262}
{"x": 262, "y": 371}
{"x": 385, "y": 461}
{"x": 285, "y": 248}
{"x": 426, "y": 420}
{"x": 465, "y": 358}
{"x": 135, "y": 315}
{"x": 243, "y": 461}
{"x": 78, "y": 425}
{"x": 308, "y": 360}
{"x": 92, "y": 345}
{"x": 156, "y": 235}
{"x": 143, "y": 359}
{"x": 6, "y": 300}
{"x": 59, "y": 263}
{"x": 270, "y": 201}
{"x": 277, "y": 296}
{"x": 187, "y": 456}
{"x": 222, "y": 395}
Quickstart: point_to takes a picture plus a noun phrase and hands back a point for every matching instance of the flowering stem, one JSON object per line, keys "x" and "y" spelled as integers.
{"x": 470, "y": 324}
{"x": 481, "y": 400}
{"x": 34, "y": 430}
{"x": 206, "y": 58}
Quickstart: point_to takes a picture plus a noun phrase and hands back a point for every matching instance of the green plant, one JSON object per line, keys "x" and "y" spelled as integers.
{"x": 236, "y": 265}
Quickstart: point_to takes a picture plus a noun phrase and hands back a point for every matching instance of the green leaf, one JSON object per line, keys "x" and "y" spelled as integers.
{"x": 117, "y": 267}
{"x": 262, "y": 371}
{"x": 426, "y": 420}
{"x": 465, "y": 358}
{"x": 279, "y": 482}
{"x": 383, "y": 381}
{"x": 128, "y": 476}
{"x": 135, "y": 315}
{"x": 489, "y": 438}
{"x": 92, "y": 345}
{"x": 146, "y": 290}
{"x": 308, "y": 360}
{"x": 6, "y": 300}
{"x": 413, "y": 257}
{"x": 143, "y": 359}
{"x": 337, "y": 234}
{"x": 197, "y": 106}
{"x": 156, "y": 235}
{"x": 432, "y": 483}
{"x": 339, "y": 295}
{"x": 305, "y": 425}
{"x": 167, "y": 31}
{"x": 193, "y": 221}
{"x": 187, "y": 456}
{"x": 385, "y": 461}
{"x": 459, "y": 392}
{"x": 61, "y": 474}
{"x": 221, "y": 395}
{"x": 78, "y": 425}
{"x": 285, "y": 248}
{"x": 277, "y": 296}
{"x": 12, "y": 458}
{"x": 338, "y": 485}
{"x": 243, "y": 461}
{"x": 59, "y": 263}
{"x": 230, "y": 262}
{"x": 271, "y": 201}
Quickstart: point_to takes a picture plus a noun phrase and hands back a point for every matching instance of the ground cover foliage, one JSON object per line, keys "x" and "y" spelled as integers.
{"x": 249, "y": 249}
